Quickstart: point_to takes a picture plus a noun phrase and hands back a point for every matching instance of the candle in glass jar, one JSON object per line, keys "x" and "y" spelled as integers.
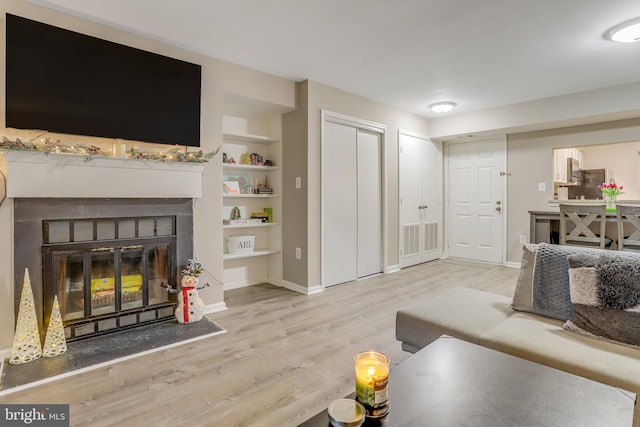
{"x": 119, "y": 149}
{"x": 372, "y": 379}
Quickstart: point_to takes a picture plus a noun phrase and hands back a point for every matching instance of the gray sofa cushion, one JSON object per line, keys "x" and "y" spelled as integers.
{"x": 543, "y": 340}
{"x": 461, "y": 312}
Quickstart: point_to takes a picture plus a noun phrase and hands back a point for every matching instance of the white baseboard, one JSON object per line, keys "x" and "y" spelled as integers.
{"x": 393, "y": 269}
{"x": 301, "y": 289}
{"x": 214, "y": 308}
{"x": 244, "y": 284}
{"x": 512, "y": 264}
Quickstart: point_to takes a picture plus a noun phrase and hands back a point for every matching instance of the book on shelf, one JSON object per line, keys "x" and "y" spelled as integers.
{"x": 242, "y": 221}
{"x": 262, "y": 216}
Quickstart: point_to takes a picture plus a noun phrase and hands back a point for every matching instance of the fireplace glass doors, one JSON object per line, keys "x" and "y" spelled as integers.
{"x": 109, "y": 274}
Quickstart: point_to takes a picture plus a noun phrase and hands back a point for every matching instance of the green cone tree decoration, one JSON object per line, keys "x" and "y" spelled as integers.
{"x": 26, "y": 341}
{"x": 54, "y": 342}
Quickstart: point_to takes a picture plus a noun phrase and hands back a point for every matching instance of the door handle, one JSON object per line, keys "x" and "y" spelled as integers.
{"x": 422, "y": 206}
{"x": 498, "y": 209}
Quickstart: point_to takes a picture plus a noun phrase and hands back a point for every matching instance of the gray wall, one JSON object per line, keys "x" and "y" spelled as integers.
{"x": 306, "y": 229}
{"x": 295, "y": 209}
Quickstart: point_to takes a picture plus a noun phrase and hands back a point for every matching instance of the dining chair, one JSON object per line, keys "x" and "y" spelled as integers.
{"x": 628, "y": 221}
{"x": 583, "y": 225}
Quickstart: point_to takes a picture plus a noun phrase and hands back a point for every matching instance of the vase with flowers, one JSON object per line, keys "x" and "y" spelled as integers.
{"x": 609, "y": 192}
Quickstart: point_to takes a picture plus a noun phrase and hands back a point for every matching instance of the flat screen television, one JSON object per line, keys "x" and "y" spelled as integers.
{"x": 66, "y": 82}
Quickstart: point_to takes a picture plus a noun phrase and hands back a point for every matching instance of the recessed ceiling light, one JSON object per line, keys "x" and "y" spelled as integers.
{"x": 442, "y": 107}
{"x": 625, "y": 32}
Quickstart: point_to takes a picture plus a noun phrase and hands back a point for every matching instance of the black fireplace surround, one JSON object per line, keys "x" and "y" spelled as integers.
{"x": 143, "y": 242}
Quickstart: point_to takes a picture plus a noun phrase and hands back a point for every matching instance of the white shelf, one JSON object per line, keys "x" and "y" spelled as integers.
{"x": 264, "y": 224}
{"x": 248, "y": 167}
{"x": 245, "y": 137}
{"x": 249, "y": 196}
{"x": 255, "y": 253}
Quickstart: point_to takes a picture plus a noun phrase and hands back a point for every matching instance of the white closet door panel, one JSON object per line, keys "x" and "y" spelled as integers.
{"x": 369, "y": 203}
{"x": 421, "y": 199}
{"x": 432, "y": 200}
{"x": 340, "y": 220}
{"x": 411, "y": 199}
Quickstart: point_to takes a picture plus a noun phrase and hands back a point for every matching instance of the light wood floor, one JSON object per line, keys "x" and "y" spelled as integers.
{"x": 284, "y": 358}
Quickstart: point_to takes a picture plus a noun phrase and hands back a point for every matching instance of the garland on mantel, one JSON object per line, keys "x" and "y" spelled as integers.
{"x": 46, "y": 145}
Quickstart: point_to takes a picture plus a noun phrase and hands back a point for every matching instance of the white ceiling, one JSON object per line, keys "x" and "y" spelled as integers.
{"x": 404, "y": 53}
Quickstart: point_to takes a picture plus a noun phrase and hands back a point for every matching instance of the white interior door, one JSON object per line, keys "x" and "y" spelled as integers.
{"x": 340, "y": 214}
{"x": 369, "y": 204}
{"x": 420, "y": 199}
{"x": 475, "y": 209}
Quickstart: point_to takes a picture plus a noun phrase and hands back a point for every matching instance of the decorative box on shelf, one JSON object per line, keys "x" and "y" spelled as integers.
{"x": 239, "y": 245}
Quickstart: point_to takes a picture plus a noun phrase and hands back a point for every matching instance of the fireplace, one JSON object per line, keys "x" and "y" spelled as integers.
{"x": 109, "y": 261}
{"x": 102, "y": 204}
{"x": 109, "y": 273}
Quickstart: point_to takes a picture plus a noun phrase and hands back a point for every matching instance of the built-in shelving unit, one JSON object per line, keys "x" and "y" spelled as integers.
{"x": 247, "y": 132}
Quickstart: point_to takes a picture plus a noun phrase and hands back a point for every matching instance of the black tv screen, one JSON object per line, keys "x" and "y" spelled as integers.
{"x": 66, "y": 82}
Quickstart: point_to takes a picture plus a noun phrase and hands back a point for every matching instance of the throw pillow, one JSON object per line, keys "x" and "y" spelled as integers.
{"x": 605, "y": 292}
{"x": 522, "y": 296}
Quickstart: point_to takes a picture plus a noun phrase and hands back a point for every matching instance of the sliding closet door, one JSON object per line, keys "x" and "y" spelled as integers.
{"x": 340, "y": 197}
{"x": 369, "y": 204}
{"x": 351, "y": 202}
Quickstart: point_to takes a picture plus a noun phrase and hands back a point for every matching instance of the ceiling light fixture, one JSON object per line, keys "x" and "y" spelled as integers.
{"x": 442, "y": 107}
{"x": 625, "y": 32}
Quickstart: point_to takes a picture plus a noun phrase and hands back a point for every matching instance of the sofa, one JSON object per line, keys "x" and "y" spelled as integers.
{"x": 555, "y": 317}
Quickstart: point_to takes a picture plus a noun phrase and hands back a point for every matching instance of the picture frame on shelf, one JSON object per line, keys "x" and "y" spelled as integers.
{"x": 230, "y": 187}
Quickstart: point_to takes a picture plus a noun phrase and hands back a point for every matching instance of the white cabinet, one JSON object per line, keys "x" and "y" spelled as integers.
{"x": 560, "y": 166}
{"x": 560, "y": 157}
{"x": 251, "y": 166}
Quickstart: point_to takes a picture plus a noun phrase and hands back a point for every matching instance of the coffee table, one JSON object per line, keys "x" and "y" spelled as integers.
{"x": 455, "y": 383}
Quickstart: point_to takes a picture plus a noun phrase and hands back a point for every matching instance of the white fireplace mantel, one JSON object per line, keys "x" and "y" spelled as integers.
{"x": 37, "y": 174}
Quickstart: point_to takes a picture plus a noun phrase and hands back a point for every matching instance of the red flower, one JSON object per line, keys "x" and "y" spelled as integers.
{"x": 611, "y": 189}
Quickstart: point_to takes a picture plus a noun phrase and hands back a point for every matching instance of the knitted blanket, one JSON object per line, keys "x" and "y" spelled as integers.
{"x": 550, "y": 289}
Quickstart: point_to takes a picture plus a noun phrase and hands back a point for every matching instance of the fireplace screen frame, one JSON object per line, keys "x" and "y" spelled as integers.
{"x": 92, "y": 242}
